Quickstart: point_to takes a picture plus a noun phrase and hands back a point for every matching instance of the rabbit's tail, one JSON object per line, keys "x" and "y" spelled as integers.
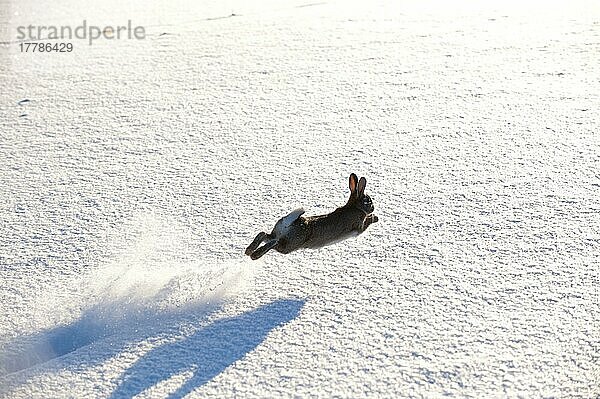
{"x": 284, "y": 223}
{"x": 295, "y": 214}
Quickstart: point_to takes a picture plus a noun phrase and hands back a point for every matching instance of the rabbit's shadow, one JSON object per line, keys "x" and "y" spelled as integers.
{"x": 207, "y": 352}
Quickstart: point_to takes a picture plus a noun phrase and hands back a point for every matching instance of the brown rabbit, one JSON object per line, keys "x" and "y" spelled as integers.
{"x": 294, "y": 231}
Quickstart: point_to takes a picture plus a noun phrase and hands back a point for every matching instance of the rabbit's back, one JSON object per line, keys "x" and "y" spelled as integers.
{"x": 328, "y": 229}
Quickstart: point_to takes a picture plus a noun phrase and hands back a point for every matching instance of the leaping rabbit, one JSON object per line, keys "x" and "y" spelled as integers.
{"x": 294, "y": 231}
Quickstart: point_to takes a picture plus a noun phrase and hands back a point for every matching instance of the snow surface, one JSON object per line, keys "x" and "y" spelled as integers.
{"x": 138, "y": 171}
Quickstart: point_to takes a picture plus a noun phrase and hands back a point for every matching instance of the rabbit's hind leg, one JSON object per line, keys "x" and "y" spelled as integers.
{"x": 257, "y": 241}
{"x": 264, "y": 249}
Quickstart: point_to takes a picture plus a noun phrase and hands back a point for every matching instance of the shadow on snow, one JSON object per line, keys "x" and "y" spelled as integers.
{"x": 207, "y": 352}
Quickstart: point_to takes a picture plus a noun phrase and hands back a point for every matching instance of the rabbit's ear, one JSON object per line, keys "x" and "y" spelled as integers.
{"x": 361, "y": 186}
{"x": 352, "y": 184}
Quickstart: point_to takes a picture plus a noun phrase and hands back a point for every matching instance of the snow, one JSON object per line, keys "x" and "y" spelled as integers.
{"x": 138, "y": 171}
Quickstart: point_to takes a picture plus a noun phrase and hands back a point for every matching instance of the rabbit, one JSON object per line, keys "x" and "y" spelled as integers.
{"x": 295, "y": 231}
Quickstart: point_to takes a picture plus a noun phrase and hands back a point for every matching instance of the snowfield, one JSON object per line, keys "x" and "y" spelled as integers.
{"x": 138, "y": 171}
